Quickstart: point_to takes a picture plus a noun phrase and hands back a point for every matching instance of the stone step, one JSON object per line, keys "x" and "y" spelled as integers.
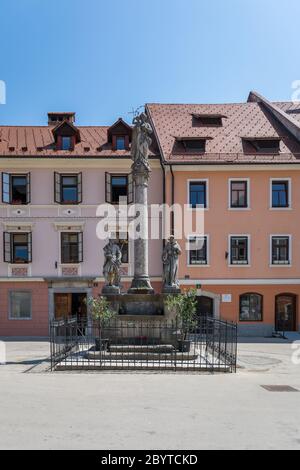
{"x": 140, "y": 356}
{"x": 156, "y": 348}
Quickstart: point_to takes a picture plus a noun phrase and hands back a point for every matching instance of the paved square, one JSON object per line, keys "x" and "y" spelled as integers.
{"x": 42, "y": 410}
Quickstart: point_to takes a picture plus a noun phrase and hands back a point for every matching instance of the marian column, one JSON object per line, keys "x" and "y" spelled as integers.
{"x": 141, "y": 142}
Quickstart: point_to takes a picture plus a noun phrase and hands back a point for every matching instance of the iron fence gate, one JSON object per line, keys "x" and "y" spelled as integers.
{"x": 209, "y": 345}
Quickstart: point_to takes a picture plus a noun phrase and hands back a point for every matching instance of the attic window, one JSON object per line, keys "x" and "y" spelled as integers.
{"x": 206, "y": 120}
{"x": 120, "y": 143}
{"x": 265, "y": 145}
{"x": 193, "y": 145}
{"x": 66, "y": 143}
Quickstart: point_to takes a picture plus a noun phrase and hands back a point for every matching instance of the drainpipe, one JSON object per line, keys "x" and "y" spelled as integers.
{"x": 173, "y": 201}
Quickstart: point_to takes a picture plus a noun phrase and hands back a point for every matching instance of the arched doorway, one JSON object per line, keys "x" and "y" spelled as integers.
{"x": 205, "y": 306}
{"x": 286, "y": 312}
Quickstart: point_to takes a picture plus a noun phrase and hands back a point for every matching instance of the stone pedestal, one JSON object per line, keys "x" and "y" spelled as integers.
{"x": 171, "y": 290}
{"x": 111, "y": 290}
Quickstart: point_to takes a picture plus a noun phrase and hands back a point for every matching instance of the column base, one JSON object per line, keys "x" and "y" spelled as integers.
{"x": 141, "y": 285}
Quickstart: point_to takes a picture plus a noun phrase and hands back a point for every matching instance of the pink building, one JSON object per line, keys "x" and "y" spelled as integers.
{"x": 53, "y": 179}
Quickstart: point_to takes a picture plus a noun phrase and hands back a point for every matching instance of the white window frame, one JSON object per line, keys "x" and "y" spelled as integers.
{"x": 232, "y": 180}
{"x": 207, "y": 265}
{"x": 290, "y": 237}
{"x": 273, "y": 180}
{"x": 239, "y": 235}
{"x": 198, "y": 180}
{"x": 10, "y": 292}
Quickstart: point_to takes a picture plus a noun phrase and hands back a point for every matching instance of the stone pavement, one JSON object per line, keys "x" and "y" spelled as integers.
{"x": 42, "y": 410}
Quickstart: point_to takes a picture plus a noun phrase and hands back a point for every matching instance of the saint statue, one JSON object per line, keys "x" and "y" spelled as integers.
{"x": 141, "y": 140}
{"x": 170, "y": 259}
{"x": 112, "y": 264}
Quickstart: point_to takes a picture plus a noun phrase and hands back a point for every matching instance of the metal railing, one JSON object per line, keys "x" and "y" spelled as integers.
{"x": 209, "y": 345}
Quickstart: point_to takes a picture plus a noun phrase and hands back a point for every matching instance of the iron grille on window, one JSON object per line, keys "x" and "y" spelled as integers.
{"x": 280, "y": 250}
{"x": 198, "y": 251}
{"x": 239, "y": 250}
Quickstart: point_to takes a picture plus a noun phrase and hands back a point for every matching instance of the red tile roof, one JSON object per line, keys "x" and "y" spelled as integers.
{"x": 225, "y": 143}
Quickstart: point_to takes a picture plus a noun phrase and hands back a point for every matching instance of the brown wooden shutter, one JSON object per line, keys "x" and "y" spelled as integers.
{"x": 7, "y": 247}
{"x": 108, "y": 195}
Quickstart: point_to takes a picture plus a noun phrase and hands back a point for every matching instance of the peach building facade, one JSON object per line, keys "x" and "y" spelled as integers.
{"x": 239, "y": 165}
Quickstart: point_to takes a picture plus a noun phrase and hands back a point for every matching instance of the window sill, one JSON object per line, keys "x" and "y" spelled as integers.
{"x": 19, "y": 265}
{"x": 280, "y": 266}
{"x": 68, "y": 265}
{"x": 20, "y": 319}
{"x": 251, "y": 321}
{"x": 197, "y": 208}
{"x": 280, "y": 208}
{"x": 234, "y": 209}
{"x": 239, "y": 266}
{"x": 198, "y": 266}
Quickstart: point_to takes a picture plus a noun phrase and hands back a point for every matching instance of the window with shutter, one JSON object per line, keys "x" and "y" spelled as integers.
{"x": 108, "y": 198}
{"x": 6, "y": 197}
{"x": 7, "y": 247}
{"x": 79, "y": 188}
{"x": 130, "y": 196}
{"x": 16, "y": 189}
{"x": 57, "y": 188}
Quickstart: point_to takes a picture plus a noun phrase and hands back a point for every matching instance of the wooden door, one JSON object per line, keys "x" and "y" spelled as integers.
{"x": 205, "y": 307}
{"x": 63, "y": 305}
{"x": 286, "y": 313}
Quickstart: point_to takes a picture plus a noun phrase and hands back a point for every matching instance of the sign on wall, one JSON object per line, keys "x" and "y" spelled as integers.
{"x": 226, "y": 298}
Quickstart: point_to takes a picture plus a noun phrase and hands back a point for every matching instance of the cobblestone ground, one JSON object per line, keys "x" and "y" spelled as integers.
{"x": 42, "y": 410}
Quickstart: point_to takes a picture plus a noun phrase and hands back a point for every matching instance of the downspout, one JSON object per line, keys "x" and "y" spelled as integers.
{"x": 172, "y": 202}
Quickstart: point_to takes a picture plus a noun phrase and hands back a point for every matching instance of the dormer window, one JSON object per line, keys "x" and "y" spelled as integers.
{"x": 120, "y": 143}
{"x": 263, "y": 145}
{"x": 119, "y": 135}
{"x": 191, "y": 145}
{"x": 208, "y": 120}
{"x": 66, "y": 135}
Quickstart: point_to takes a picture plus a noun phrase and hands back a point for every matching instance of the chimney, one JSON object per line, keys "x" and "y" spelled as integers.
{"x": 56, "y": 118}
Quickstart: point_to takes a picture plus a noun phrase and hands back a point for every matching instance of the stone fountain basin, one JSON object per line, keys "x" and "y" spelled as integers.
{"x": 138, "y": 304}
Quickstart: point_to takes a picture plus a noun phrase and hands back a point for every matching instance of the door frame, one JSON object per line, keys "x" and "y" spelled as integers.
{"x": 216, "y": 301}
{"x": 66, "y": 290}
{"x": 295, "y": 301}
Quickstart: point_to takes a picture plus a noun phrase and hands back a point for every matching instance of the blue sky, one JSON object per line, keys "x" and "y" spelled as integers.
{"x": 101, "y": 58}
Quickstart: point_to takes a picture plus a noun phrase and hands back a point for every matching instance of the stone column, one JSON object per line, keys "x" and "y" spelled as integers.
{"x": 141, "y": 282}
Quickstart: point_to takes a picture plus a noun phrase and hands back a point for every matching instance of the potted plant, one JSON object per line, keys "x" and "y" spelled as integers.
{"x": 102, "y": 313}
{"x": 184, "y": 306}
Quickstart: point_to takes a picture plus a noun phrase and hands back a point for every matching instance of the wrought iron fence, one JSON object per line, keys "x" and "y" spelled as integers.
{"x": 207, "y": 345}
